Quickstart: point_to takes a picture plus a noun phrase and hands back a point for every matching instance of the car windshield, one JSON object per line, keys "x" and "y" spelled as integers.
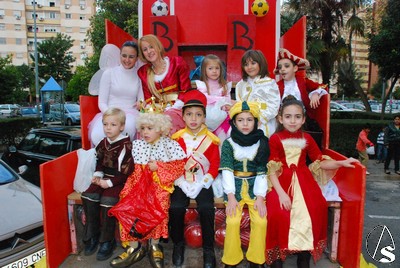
{"x": 6, "y": 176}
{"x": 72, "y": 108}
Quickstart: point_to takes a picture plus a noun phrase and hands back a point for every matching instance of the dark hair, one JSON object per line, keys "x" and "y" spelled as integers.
{"x": 289, "y": 101}
{"x": 367, "y": 126}
{"x": 257, "y": 56}
{"x": 131, "y": 44}
{"x": 194, "y": 105}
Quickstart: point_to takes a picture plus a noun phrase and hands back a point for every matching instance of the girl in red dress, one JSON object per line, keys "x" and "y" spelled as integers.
{"x": 297, "y": 211}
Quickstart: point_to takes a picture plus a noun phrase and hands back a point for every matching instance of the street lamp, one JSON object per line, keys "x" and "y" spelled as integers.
{"x": 36, "y": 61}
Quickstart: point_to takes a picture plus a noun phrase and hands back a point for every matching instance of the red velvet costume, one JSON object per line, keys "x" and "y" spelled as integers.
{"x": 304, "y": 227}
{"x": 176, "y": 80}
{"x": 305, "y": 86}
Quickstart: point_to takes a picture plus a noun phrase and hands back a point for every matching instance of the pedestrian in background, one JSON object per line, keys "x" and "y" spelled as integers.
{"x": 362, "y": 143}
{"x": 381, "y": 150}
{"x": 392, "y": 143}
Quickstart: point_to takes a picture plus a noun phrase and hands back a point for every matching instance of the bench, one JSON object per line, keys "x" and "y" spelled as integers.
{"x": 74, "y": 200}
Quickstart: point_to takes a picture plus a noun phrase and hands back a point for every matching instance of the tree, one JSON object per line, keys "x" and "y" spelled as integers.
{"x": 54, "y": 59}
{"x": 384, "y": 48}
{"x": 12, "y": 82}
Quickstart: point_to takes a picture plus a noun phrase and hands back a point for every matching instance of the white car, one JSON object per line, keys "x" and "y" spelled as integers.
{"x": 10, "y": 110}
{"x": 337, "y": 107}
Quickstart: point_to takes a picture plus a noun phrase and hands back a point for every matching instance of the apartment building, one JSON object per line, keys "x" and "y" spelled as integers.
{"x": 17, "y": 30}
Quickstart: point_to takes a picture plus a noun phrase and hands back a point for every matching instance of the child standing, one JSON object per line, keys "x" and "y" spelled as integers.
{"x": 257, "y": 86}
{"x": 362, "y": 143}
{"x": 243, "y": 163}
{"x": 201, "y": 168}
{"x": 297, "y": 210}
{"x": 114, "y": 164}
{"x": 381, "y": 150}
{"x": 165, "y": 158}
{"x": 212, "y": 83}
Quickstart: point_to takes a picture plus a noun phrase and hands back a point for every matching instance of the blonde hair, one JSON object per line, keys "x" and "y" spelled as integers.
{"x": 157, "y": 45}
{"x": 120, "y": 114}
{"x": 221, "y": 80}
{"x": 161, "y": 122}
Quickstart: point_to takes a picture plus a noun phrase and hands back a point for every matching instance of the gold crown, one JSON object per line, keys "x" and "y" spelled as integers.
{"x": 152, "y": 107}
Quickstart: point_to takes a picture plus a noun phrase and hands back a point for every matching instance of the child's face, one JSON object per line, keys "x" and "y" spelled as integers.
{"x": 245, "y": 122}
{"x": 287, "y": 69}
{"x": 292, "y": 118}
{"x": 149, "y": 52}
{"x": 128, "y": 57}
{"x": 149, "y": 133}
{"x": 112, "y": 126}
{"x": 194, "y": 118}
{"x": 213, "y": 70}
{"x": 251, "y": 68}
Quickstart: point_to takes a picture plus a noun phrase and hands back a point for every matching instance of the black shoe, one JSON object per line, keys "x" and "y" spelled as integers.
{"x": 229, "y": 266}
{"x": 255, "y": 265}
{"x": 91, "y": 246}
{"x": 209, "y": 258}
{"x": 387, "y": 171}
{"x": 178, "y": 254}
{"x": 106, "y": 250}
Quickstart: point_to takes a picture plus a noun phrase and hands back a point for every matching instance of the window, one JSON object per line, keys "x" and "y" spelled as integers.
{"x": 19, "y": 55}
{"x": 68, "y": 15}
{"x": 82, "y": 17}
{"x": 2, "y": 26}
{"x": 68, "y": 29}
{"x": 18, "y": 27}
{"x": 52, "y": 15}
{"x": 3, "y": 41}
{"x": 18, "y": 41}
{"x": 52, "y": 4}
{"x": 2, "y": 13}
{"x": 82, "y": 30}
{"x": 33, "y": 15}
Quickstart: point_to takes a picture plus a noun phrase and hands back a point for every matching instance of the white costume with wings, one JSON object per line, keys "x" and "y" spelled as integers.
{"x": 117, "y": 87}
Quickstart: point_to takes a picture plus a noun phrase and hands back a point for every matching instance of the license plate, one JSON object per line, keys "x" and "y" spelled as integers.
{"x": 28, "y": 260}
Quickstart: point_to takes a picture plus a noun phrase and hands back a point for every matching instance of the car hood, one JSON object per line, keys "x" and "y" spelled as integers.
{"x": 20, "y": 208}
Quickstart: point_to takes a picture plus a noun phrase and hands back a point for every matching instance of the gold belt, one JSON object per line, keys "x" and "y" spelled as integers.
{"x": 173, "y": 96}
{"x": 244, "y": 174}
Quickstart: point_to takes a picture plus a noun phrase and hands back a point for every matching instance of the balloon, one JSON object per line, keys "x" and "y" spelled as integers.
{"x": 193, "y": 235}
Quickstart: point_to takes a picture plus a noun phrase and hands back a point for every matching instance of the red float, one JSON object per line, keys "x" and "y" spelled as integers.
{"x": 245, "y": 221}
{"x": 220, "y": 218}
{"x": 220, "y": 236}
{"x": 191, "y": 215}
{"x": 193, "y": 235}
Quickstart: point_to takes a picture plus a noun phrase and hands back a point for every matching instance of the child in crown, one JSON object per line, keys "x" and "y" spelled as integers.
{"x": 302, "y": 88}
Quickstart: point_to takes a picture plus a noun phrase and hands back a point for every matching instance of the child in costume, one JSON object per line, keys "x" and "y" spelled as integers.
{"x": 302, "y": 88}
{"x": 218, "y": 92}
{"x": 114, "y": 164}
{"x": 243, "y": 163}
{"x": 297, "y": 211}
{"x": 201, "y": 168}
{"x": 257, "y": 86}
{"x": 165, "y": 158}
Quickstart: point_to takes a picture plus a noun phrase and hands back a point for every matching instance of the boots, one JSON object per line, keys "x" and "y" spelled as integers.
{"x": 129, "y": 257}
{"x": 156, "y": 255}
{"x": 92, "y": 226}
{"x": 107, "y": 234}
{"x": 303, "y": 259}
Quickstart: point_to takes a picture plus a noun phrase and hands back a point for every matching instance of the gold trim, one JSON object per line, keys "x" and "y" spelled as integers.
{"x": 244, "y": 174}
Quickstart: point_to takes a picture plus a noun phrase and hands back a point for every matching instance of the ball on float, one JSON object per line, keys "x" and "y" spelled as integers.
{"x": 159, "y": 8}
{"x": 193, "y": 236}
{"x": 259, "y": 8}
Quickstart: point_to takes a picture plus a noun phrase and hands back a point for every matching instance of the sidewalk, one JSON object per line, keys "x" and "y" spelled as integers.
{"x": 377, "y": 171}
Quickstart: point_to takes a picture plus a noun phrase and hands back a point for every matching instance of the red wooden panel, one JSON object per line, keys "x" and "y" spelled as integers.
{"x": 322, "y": 115}
{"x": 115, "y": 35}
{"x": 89, "y": 108}
{"x": 351, "y": 184}
{"x": 166, "y": 28}
{"x": 56, "y": 180}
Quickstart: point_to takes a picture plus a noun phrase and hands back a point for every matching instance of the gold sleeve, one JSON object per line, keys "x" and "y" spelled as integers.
{"x": 321, "y": 176}
{"x": 273, "y": 167}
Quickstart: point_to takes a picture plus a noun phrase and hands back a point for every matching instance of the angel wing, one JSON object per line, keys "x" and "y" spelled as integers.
{"x": 109, "y": 58}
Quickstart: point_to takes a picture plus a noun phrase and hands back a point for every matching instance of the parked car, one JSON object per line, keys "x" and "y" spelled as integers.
{"x": 71, "y": 115}
{"x": 337, "y": 107}
{"x": 10, "y": 110}
{"x": 39, "y": 146}
{"x": 29, "y": 112}
{"x": 355, "y": 106}
{"x": 21, "y": 224}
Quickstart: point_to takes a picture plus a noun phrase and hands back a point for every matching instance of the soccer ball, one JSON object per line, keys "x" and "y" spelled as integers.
{"x": 259, "y": 8}
{"x": 159, "y": 8}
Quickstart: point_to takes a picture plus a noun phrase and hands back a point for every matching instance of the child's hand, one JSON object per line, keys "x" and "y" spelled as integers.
{"x": 103, "y": 184}
{"x": 284, "y": 201}
{"x": 231, "y": 206}
{"x": 96, "y": 180}
{"x": 349, "y": 162}
{"x": 153, "y": 165}
{"x": 259, "y": 205}
{"x": 314, "y": 101}
{"x": 226, "y": 107}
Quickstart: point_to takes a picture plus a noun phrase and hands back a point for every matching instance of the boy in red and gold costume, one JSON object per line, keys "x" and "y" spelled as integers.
{"x": 201, "y": 168}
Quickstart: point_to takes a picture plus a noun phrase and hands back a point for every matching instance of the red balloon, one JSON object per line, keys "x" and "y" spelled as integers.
{"x": 245, "y": 237}
{"x": 245, "y": 222}
{"x": 191, "y": 215}
{"x": 220, "y": 217}
{"x": 220, "y": 236}
{"x": 193, "y": 235}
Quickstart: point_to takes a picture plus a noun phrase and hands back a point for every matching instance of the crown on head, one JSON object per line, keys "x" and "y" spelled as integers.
{"x": 152, "y": 107}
